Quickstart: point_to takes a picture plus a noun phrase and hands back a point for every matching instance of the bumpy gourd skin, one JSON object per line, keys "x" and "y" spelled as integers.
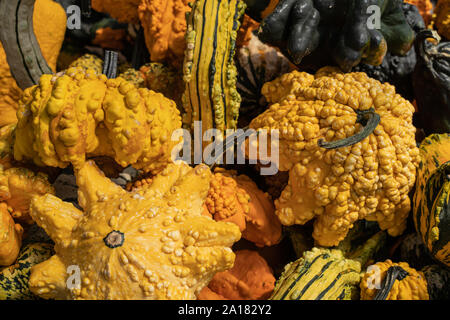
{"x": 369, "y": 180}
{"x": 77, "y": 114}
{"x": 236, "y": 198}
{"x": 251, "y": 278}
{"x": 123, "y": 11}
{"x": 441, "y": 18}
{"x": 164, "y": 23}
{"x": 10, "y": 237}
{"x": 18, "y": 186}
{"x": 49, "y": 23}
{"x": 337, "y": 29}
{"x": 413, "y": 287}
{"x": 168, "y": 250}
{"x": 88, "y": 61}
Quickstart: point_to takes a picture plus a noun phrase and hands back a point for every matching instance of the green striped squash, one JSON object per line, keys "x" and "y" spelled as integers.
{"x": 209, "y": 70}
{"x": 14, "y": 279}
{"x": 321, "y": 274}
{"x": 327, "y": 274}
{"x": 432, "y": 196}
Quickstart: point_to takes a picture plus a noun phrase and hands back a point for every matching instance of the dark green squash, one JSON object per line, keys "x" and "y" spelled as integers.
{"x": 432, "y": 196}
{"x": 320, "y": 32}
{"x": 395, "y": 69}
{"x": 14, "y": 279}
{"x": 431, "y": 81}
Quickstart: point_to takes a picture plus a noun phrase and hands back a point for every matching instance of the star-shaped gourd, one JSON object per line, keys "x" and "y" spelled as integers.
{"x": 151, "y": 243}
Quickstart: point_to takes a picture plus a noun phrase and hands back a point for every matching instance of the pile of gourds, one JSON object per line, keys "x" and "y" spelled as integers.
{"x": 360, "y": 207}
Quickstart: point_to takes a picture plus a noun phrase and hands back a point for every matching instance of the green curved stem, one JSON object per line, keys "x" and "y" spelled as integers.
{"x": 368, "y": 118}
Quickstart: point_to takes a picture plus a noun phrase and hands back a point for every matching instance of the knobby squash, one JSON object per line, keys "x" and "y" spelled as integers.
{"x": 341, "y": 169}
{"x": 431, "y": 210}
{"x": 321, "y": 32}
{"x": 150, "y": 243}
{"x": 395, "y": 281}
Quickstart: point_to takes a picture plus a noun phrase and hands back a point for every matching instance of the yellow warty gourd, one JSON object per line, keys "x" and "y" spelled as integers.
{"x": 368, "y": 180}
{"x": 69, "y": 116}
{"x": 150, "y": 243}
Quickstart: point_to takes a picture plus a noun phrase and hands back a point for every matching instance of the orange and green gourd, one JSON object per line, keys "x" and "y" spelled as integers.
{"x": 396, "y": 281}
{"x": 349, "y": 145}
{"x": 209, "y": 70}
{"x": 49, "y": 24}
{"x": 14, "y": 279}
{"x": 150, "y": 243}
{"x": 431, "y": 210}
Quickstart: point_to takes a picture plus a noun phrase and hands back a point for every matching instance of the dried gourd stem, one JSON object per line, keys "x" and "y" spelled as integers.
{"x": 392, "y": 274}
{"x": 110, "y": 65}
{"x": 114, "y": 239}
{"x": 86, "y": 8}
{"x": 368, "y": 118}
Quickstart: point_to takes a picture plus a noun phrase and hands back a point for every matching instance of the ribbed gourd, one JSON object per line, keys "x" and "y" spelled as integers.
{"x": 209, "y": 70}
{"x": 326, "y": 274}
{"x": 14, "y": 279}
{"x": 432, "y": 197}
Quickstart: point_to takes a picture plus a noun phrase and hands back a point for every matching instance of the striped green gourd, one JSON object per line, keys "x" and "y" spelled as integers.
{"x": 326, "y": 274}
{"x": 209, "y": 71}
{"x": 14, "y": 279}
{"x": 432, "y": 196}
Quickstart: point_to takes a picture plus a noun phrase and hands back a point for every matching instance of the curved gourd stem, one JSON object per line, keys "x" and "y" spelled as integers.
{"x": 368, "y": 118}
{"x": 24, "y": 56}
{"x": 110, "y": 64}
{"x": 393, "y": 273}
